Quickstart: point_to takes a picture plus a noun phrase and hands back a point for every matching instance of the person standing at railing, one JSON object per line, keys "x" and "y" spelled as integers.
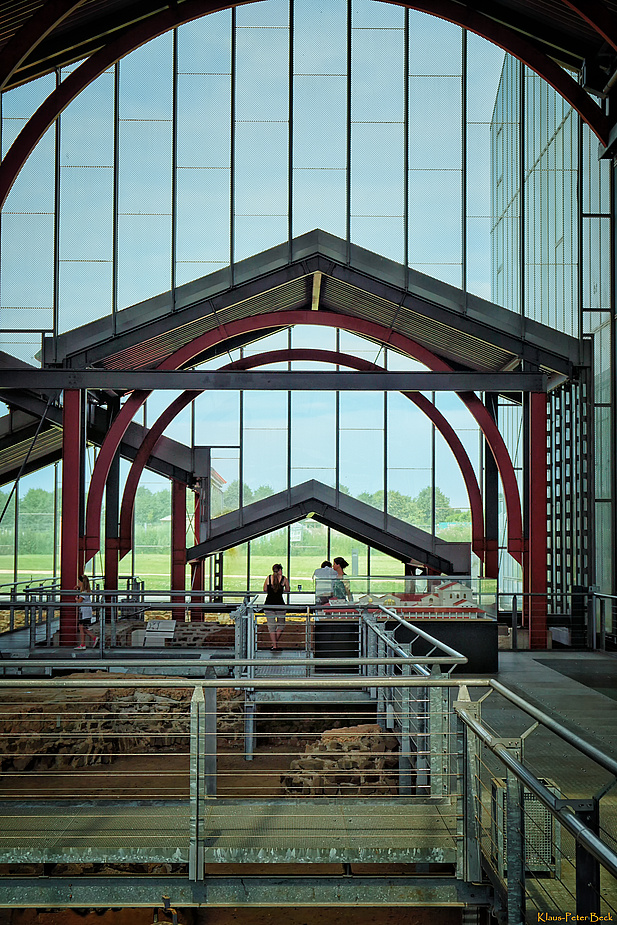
{"x": 323, "y": 578}
{"x": 275, "y": 586}
{"x": 340, "y": 587}
{"x": 86, "y": 617}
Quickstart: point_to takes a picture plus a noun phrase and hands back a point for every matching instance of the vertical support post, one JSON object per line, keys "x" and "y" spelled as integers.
{"x": 438, "y": 738}
{"x": 210, "y": 742}
{"x": 197, "y": 568}
{"x": 514, "y": 623}
{"x": 178, "y": 547}
{"x": 469, "y": 866}
{"x": 587, "y": 867}
{"x": 515, "y": 851}
{"x": 72, "y": 488}
{"x": 537, "y": 547}
{"x": 197, "y": 783}
{"x": 404, "y": 761}
{"x": 491, "y": 500}
{"x": 602, "y": 624}
{"x": 112, "y": 533}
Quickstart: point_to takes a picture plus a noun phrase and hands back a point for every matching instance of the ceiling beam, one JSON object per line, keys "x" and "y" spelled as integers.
{"x": 128, "y": 380}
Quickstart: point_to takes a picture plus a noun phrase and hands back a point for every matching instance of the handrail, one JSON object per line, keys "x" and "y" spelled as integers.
{"x": 436, "y": 642}
{"x": 605, "y": 761}
{"x": 582, "y": 834}
{"x": 310, "y": 683}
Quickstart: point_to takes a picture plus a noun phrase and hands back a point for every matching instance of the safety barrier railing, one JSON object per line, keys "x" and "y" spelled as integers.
{"x": 542, "y": 820}
{"x": 155, "y": 771}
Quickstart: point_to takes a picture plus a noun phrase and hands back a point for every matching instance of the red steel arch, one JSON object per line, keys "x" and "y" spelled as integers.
{"x": 177, "y": 14}
{"x": 184, "y": 355}
{"x": 276, "y": 356}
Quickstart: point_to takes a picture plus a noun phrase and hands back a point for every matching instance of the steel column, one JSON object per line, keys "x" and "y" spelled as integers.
{"x": 536, "y": 558}
{"x": 178, "y": 544}
{"x": 197, "y": 568}
{"x": 71, "y": 490}
{"x": 491, "y": 503}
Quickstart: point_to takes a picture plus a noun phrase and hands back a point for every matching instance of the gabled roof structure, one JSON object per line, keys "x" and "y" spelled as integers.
{"x": 323, "y": 273}
{"x": 335, "y": 509}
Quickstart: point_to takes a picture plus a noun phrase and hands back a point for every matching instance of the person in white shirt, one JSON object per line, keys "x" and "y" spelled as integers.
{"x": 86, "y": 618}
{"x": 323, "y": 582}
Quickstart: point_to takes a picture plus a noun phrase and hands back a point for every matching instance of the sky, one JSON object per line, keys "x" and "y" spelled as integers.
{"x": 261, "y": 127}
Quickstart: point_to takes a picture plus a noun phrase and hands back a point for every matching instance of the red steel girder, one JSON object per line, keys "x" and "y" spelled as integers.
{"x": 32, "y": 34}
{"x": 185, "y": 354}
{"x": 71, "y": 487}
{"x": 277, "y": 356}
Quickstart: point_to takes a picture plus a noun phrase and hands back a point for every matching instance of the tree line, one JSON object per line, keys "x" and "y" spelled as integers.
{"x": 152, "y": 512}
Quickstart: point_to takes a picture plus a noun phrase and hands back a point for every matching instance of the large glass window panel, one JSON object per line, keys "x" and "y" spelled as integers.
{"x": 203, "y": 222}
{"x": 269, "y": 13}
{"x": 217, "y": 418}
{"x": 86, "y": 215}
{"x": 319, "y": 200}
{"x": 204, "y": 45}
{"x": 306, "y": 335}
{"x": 435, "y": 245}
{"x": 144, "y": 184}
{"x": 378, "y": 91}
{"x": 603, "y": 452}
{"x": 144, "y": 263}
{"x": 87, "y": 126}
{"x": 279, "y": 340}
{"x": 85, "y": 292}
{"x": 313, "y": 454}
{"x": 265, "y": 441}
{"x": 146, "y": 81}
{"x": 479, "y": 256}
{"x": 369, "y": 15}
{"x": 235, "y": 563}
{"x": 359, "y": 346}
{"x": 27, "y": 263}
{"x": 225, "y": 480}
{"x": 319, "y": 101}
{"x": 435, "y": 123}
{"x": 377, "y": 174}
{"x": 604, "y": 550}
{"x": 427, "y": 33}
{"x": 261, "y": 169}
{"x": 381, "y": 234}
{"x": 152, "y": 544}
{"x": 36, "y": 524}
{"x": 484, "y": 68}
{"x": 361, "y": 446}
{"x": 320, "y": 57}
{"x": 265, "y": 551}
{"x": 203, "y": 120}
{"x": 308, "y": 549}
{"x": 596, "y": 251}
{"x": 261, "y": 74}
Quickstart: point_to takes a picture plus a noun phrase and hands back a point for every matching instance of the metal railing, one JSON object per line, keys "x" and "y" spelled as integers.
{"x": 92, "y": 768}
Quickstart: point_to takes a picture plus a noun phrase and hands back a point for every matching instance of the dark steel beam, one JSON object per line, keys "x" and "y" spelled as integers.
{"x": 279, "y": 890}
{"x": 128, "y": 380}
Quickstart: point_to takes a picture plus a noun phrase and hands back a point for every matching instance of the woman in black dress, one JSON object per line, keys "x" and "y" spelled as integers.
{"x": 275, "y": 586}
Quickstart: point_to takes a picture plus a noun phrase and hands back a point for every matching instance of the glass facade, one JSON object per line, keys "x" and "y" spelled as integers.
{"x": 240, "y": 130}
{"x": 552, "y": 193}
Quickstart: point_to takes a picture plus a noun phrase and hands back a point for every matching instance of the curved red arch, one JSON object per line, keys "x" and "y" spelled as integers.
{"x": 178, "y": 14}
{"x": 275, "y": 356}
{"x": 188, "y": 352}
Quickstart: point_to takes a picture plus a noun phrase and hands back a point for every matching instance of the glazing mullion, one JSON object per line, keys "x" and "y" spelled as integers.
{"x": 290, "y": 122}
{"x": 232, "y": 156}
{"x": 406, "y": 79}
{"x": 174, "y": 167}
{"x": 56, "y": 245}
{"x": 116, "y": 199}
{"x": 464, "y": 163}
{"x": 348, "y": 152}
